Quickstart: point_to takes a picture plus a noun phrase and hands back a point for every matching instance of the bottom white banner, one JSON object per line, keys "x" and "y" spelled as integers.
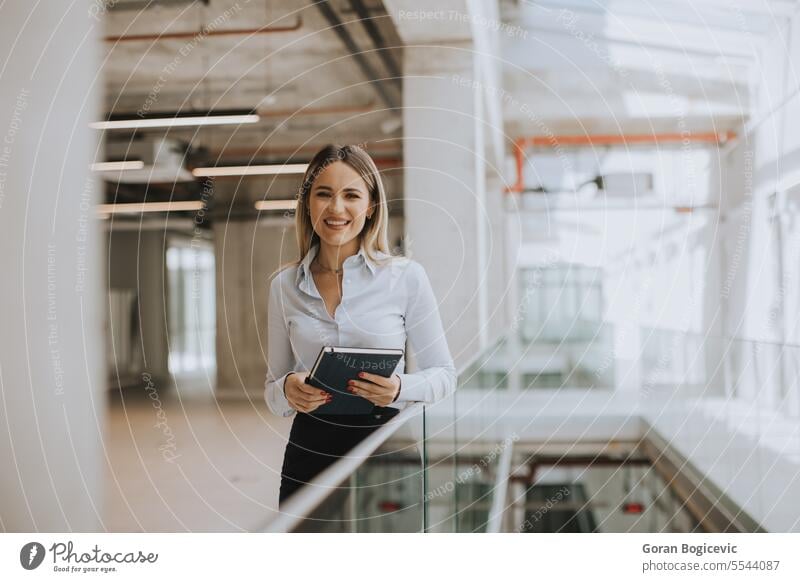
{"x": 120, "y": 556}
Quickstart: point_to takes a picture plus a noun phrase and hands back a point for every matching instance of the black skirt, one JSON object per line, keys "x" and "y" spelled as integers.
{"x": 316, "y": 442}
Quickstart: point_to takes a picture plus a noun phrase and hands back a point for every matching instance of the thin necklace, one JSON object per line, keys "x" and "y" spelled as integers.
{"x": 337, "y": 271}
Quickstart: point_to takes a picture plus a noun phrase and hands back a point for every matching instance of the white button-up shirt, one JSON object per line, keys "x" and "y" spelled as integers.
{"x": 382, "y": 306}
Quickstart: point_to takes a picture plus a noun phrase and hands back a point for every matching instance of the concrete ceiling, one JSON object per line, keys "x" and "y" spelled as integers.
{"x": 568, "y": 66}
{"x": 302, "y": 79}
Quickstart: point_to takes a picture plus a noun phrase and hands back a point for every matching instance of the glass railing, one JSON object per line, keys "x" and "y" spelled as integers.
{"x": 763, "y": 373}
{"x": 725, "y": 405}
{"x": 379, "y": 486}
{"x": 405, "y": 477}
{"x": 461, "y": 489}
{"x": 535, "y": 363}
{"x": 731, "y": 407}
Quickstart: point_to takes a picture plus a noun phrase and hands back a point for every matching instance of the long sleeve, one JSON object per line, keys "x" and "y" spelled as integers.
{"x": 436, "y": 377}
{"x": 280, "y": 359}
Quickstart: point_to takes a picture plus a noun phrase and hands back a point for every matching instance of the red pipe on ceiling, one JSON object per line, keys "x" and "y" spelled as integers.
{"x": 586, "y": 140}
{"x": 383, "y": 163}
{"x": 266, "y": 151}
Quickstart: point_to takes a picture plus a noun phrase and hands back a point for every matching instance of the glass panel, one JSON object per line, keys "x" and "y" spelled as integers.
{"x": 727, "y": 405}
{"x": 461, "y": 485}
{"x": 385, "y": 493}
{"x": 559, "y": 340}
{"x": 722, "y": 404}
{"x": 619, "y": 499}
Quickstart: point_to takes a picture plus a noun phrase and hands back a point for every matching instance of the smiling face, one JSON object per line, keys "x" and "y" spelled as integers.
{"x": 339, "y": 203}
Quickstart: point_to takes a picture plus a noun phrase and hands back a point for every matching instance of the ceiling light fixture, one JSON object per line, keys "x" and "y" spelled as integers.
{"x": 276, "y": 204}
{"x": 117, "y": 166}
{"x": 250, "y": 170}
{"x": 180, "y": 119}
{"x": 140, "y": 207}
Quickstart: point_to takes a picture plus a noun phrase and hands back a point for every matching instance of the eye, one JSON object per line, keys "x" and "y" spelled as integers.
{"x": 353, "y": 195}
{"x": 323, "y": 194}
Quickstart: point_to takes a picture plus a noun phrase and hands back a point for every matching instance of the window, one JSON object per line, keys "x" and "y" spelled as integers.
{"x": 192, "y": 318}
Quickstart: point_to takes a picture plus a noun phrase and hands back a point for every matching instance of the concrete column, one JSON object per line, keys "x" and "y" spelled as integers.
{"x": 137, "y": 261}
{"x": 52, "y": 373}
{"x": 248, "y": 253}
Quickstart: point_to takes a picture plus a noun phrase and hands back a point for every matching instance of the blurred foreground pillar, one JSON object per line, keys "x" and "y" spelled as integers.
{"x": 52, "y": 375}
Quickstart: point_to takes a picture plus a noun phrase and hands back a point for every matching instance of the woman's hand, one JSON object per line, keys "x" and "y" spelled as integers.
{"x": 301, "y": 396}
{"x": 377, "y": 389}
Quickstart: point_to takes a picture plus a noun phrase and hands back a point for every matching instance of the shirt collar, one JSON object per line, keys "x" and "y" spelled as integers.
{"x": 304, "y": 270}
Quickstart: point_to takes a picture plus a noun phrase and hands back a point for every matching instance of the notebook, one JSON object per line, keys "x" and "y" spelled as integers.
{"x": 336, "y": 365}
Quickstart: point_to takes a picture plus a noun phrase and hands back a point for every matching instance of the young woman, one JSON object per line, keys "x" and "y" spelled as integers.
{"x": 347, "y": 290}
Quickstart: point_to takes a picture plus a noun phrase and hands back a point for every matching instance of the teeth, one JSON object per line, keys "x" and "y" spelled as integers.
{"x": 336, "y": 222}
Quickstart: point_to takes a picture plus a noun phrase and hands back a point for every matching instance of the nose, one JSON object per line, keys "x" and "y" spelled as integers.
{"x": 336, "y": 204}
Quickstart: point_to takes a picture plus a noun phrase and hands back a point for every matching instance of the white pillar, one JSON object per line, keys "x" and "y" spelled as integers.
{"x": 52, "y": 374}
{"x": 446, "y": 222}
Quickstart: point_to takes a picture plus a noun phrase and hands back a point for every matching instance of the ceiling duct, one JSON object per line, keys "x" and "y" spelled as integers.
{"x": 613, "y": 185}
{"x": 625, "y": 184}
{"x": 122, "y": 5}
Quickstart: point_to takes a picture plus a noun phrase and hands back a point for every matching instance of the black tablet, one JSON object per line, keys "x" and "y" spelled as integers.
{"x": 335, "y": 366}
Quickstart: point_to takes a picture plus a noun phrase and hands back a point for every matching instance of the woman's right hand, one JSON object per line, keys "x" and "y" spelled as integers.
{"x": 301, "y": 396}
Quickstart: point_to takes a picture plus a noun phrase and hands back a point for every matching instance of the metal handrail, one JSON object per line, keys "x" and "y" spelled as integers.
{"x": 308, "y": 498}
{"x": 498, "y": 508}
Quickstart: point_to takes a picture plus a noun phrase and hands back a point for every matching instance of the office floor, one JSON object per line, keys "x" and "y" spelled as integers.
{"x": 182, "y": 462}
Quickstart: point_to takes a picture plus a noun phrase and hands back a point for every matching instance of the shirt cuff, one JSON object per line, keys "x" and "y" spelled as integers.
{"x": 399, "y": 389}
{"x": 412, "y": 388}
{"x": 276, "y": 399}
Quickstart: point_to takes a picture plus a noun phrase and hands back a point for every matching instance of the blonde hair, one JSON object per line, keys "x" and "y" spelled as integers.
{"x": 374, "y": 235}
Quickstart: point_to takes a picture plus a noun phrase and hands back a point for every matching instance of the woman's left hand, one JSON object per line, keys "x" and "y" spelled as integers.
{"x": 377, "y": 389}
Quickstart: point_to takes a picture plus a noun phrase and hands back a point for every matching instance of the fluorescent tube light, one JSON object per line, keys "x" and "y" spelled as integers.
{"x": 276, "y": 204}
{"x": 140, "y": 207}
{"x": 117, "y": 166}
{"x": 250, "y": 170}
{"x": 185, "y": 121}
